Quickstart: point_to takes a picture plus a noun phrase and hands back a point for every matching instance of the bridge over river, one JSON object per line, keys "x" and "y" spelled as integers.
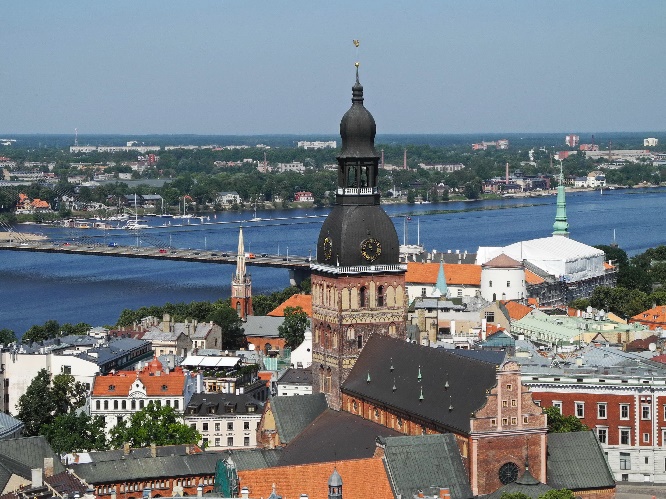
{"x": 298, "y": 266}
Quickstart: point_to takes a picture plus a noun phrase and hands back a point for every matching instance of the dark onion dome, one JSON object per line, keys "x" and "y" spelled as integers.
{"x": 350, "y": 234}
{"x": 358, "y": 128}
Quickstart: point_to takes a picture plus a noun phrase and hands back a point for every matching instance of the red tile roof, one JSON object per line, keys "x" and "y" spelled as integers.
{"x": 297, "y": 300}
{"x": 455, "y": 273}
{"x": 503, "y": 262}
{"x": 516, "y": 310}
{"x": 532, "y": 278}
{"x": 158, "y": 383}
{"x": 360, "y": 478}
{"x": 654, "y": 317}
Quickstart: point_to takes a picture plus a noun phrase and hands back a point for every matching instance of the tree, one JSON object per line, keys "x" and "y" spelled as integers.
{"x": 293, "y": 328}
{"x": 558, "y": 494}
{"x": 75, "y": 433}
{"x": 514, "y": 495}
{"x": 557, "y": 423}
{"x": 7, "y": 336}
{"x": 47, "y": 398}
{"x": 226, "y": 317}
{"x": 153, "y": 425}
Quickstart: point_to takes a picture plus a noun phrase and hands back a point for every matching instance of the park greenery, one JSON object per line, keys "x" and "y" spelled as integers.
{"x": 551, "y": 494}
{"x": 154, "y": 424}
{"x": 293, "y": 328}
{"x": 641, "y": 283}
{"x": 558, "y": 423}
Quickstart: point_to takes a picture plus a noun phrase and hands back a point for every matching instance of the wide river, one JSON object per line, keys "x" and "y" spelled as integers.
{"x": 36, "y": 287}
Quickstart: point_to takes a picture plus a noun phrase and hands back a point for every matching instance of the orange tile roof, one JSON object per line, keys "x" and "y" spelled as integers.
{"x": 455, "y": 273}
{"x": 171, "y": 384}
{"x": 608, "y": 266}
{"x": 652, "y": 317}
{"x": 297, "y": 300}
{"x": 532, "y": 278}
{"x": 516, "y": 310}
{"x": 360, "y": 478}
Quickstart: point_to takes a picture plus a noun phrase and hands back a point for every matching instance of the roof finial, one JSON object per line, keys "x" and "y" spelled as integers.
{"x": 391, "y": 364}
{"x": 368, "y": 376}
{"x": 419, "y": 376}
{"x": 357, "y": 64}
{"x": 421, "y": 396}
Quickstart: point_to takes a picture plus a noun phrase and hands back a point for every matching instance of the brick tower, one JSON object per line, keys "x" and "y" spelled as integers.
{"x": 241, "y": 283}
{"x": 358, "y": 284}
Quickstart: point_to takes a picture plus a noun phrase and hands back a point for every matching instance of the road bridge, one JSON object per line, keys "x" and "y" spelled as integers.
{"x": 298, "y": 266}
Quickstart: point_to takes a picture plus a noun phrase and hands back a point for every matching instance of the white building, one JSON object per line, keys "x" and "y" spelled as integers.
{"x": 225, "y": 421}
{"x": 19, "y": 368}
{"x": 503, "y": 278}
{"x": 295, "y": 382}
{"x": 318, "y": 144}
{"x": 650, "y": 142}
{"x": 117, "y": 396}
{"x": 294, "y": 166}
{"x": 301, "y": 356}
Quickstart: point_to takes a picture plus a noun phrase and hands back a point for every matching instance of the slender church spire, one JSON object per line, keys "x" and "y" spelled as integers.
{"x": 441, "y": 289}
{"x": 241, "y": 283}
{"x": 561, "y": 226}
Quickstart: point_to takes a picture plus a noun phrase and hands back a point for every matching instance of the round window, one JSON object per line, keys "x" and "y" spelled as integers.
{"x": 508, "y": 473}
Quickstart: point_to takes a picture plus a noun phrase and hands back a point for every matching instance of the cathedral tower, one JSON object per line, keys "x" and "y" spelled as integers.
{"x": 561, "y": 226}
{"x": 358, "y": 283}
{"x": 241, "y": 283}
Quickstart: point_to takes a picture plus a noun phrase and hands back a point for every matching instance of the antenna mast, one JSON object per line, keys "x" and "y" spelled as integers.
{"x": 76, "y": 137}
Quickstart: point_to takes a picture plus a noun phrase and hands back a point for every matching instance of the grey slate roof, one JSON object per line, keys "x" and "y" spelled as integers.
{"x": 150, "y": 467}
{"x": 20, "y": 455}
{"x": 253, "y": 459}
{"x": 334, "y": 436}
{"x": 263, "y": 325}
{"x": 576, "y": 462}
{"x": 138, "y": 453}
{"x": 201, "y": 404}
{"x": 293, "y": 414}
{"x": 391, "y": 362}
{"x": 526, "y": 484}
{"x": 418, "y": 462}
{"x": 9, "y": 425}
{"x": 302, "y": 376}
{"x": 492, "y": 356}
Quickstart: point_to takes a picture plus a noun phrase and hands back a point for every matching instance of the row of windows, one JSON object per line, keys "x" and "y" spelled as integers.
{"x": 625, "y": 463}
{"x": 157, "y": 484}
{"x": 121, "y": 404}
{"x": 508, "y": 284}
{"x": 217, "y": 426}
{"x": 230, "y": 442}
{"x": 625, "y": 435}
{"x": 602, "y": 410}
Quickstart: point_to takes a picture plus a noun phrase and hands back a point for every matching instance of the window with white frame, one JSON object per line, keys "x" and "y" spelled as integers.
{"x": 645, "y": 411}
{"x": 602, "y": 434}
{"x": 580, "y": 409}
{"x": 602, "y": 410}
{"x": 625, "y": 436}
{"x": 646, "y": 438}
{"x": 557, "y": 404}
{"x": 624, "y": 411}
{"x": 625, "y": 461}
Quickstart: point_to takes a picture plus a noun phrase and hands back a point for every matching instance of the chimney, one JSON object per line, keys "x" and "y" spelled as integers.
{"x": 199, "y": 490}
{"x": 36, "y": 477}
{"x": 126, "y": 448}
{"x": 404, "y": 160}
{"x": 113, "y": 493}
{"x": 245, "y": 493}
{"x": 444, "y": 493}
{"x": 420, "y": 494}
{"x": 48, "y": 466}
{"x": 153, "y": 450}
{"x": 304, "y": 496}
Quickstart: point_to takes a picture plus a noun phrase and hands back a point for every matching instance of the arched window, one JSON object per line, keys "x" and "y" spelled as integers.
{"x": 321, "y": 379}
{"x": 363, "y": 292}
{"x": 359, "y": 341}
{"x": 380, "y": 296}
{"x": 329, "y": 381}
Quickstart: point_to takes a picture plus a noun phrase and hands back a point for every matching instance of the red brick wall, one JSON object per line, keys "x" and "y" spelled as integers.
{"x": 612, "y": 421}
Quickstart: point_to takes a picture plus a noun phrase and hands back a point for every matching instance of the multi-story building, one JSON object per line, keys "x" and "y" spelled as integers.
{"x": 225, "y": 420}
{"x": 118, "y": 395}
{"x": 572, "y": 140}
{"x": 619, "y": 395}
{"x": 317, "y": 144}
{"x": 295, "y": 381}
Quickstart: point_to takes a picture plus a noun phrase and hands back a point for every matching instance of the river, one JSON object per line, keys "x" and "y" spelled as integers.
{"x": 36, "y": 287}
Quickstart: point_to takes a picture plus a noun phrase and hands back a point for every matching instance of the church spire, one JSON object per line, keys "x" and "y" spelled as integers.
{"x": 561, "y": 226}
{"x": 240, "y": 257}
{"x": 241, "y": 283}
{"x": 441, "y": 289}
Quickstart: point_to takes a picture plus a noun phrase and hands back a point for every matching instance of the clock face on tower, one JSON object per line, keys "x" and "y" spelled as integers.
{"x": 371, "y": 248}
{"x": 328, "y": 248}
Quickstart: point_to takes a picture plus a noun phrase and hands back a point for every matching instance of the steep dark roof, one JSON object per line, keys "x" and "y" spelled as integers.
{"x": 576, "y": 462}
{"x": 418, "y": 462}
{"x": 149, "y": 467}
{"x": 491, "y": 356}
{"x": 390, "y": 362}
{"x": 334, "y": 436}
{"x": 293, "y": 414}
{"x": 20, "y": 455}
{"x": 253, "y": 459}
{"x": 216, "y": 404}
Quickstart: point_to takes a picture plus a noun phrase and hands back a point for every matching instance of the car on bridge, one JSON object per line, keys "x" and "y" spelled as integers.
{"x": 113, "y": 245}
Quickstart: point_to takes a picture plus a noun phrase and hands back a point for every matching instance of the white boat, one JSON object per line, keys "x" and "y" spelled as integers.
{"x": 135, "y": 224}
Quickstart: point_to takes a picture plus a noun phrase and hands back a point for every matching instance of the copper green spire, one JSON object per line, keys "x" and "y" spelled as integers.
{"x": 441, "y": 289}
{"x": 561, "y": 226}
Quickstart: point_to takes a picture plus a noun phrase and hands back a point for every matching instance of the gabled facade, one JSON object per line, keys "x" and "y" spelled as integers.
{"x": 118, "y": 395}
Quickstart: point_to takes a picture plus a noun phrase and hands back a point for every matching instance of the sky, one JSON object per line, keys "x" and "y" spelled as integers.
{"x": 249, "y": 67}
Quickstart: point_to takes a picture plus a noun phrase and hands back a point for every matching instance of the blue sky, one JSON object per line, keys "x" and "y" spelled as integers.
{"x": 277, "y": 66}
